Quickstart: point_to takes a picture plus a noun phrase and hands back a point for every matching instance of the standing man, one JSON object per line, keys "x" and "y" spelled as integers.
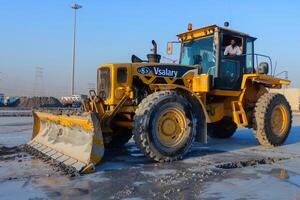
{"x": 232, "y": 49}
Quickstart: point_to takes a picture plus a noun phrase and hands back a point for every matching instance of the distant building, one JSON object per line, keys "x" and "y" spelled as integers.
{"x": 291, "y": 94}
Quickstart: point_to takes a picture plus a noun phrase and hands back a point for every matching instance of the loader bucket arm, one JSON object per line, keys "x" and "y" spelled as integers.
{"x": 74, "y": 141}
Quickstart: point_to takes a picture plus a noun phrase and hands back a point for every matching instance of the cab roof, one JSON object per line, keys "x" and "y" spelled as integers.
{"x": 205, "y": 31}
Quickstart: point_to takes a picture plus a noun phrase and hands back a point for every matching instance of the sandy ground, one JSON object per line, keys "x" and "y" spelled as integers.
{"x": 235, "y": 168}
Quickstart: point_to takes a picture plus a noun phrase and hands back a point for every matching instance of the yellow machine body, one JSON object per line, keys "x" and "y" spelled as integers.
{"x": 78, "y": 140}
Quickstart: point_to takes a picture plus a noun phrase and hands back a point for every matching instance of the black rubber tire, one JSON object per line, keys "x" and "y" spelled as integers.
{"x": 262, "y": 119}
{"x": 119, "y": 138}
{"x": 222, "y": 129}
{"x": 144, "y": 123}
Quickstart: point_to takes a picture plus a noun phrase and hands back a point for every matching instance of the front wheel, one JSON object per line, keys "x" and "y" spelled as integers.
{"x": 272, "y": 119}
{"x": 164, "y": 126}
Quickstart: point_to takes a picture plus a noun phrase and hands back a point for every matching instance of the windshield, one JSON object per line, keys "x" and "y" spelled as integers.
{"x": 199, "y": 52}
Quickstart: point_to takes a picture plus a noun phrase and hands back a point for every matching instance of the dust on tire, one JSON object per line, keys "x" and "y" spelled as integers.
{"x": 261, "y": 119}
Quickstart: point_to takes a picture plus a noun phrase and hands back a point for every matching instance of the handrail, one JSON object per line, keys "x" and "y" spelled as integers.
{"x": 253, "y": 66}
{"x": 265, "y": 56}
{"x": 256, "y": 58}
{"x": 286, "y": 74}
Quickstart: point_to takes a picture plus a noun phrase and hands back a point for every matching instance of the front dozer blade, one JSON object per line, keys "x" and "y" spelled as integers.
{"x": 74, "y": 141}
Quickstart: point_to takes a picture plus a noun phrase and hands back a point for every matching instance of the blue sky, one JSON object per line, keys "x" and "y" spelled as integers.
{"x": 39, "y": 34}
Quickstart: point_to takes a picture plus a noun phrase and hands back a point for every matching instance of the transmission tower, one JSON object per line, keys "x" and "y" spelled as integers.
{"x": 38, "y": 87}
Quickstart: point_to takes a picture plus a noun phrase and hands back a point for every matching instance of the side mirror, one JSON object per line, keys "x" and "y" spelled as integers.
{"x": 263, "y": 68}
{"x": 169, "y": 48}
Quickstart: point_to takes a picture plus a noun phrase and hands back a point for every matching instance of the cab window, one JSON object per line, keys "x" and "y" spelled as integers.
{"x": 227, "y": 39}
{"x": 249, "y": 55}
{"x": 230, "y": 66}
{"x": 122, "y": 75}
{"x": 199, "y": 52}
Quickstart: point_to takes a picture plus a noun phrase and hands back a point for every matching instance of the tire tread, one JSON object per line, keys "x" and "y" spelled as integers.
{"x": 260, "y": 119}
{"x": 139, "y": 134}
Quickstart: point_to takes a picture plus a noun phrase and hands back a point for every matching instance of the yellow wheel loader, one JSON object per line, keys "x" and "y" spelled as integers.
{"x": 165, "y": 107}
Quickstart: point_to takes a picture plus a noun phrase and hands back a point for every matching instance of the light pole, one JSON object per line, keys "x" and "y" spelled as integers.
{"x": 75, "y": 7}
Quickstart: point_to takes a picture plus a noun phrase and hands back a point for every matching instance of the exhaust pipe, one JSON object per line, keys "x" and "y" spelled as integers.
{"x": 154, "y": 57}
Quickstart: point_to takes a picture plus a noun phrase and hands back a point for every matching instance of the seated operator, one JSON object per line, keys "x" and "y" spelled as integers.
{"x": 233, "y": 49}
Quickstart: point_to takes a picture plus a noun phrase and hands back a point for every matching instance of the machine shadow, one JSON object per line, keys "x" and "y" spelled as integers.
{"x": 130, "y": 156}
{"x": 294, "y": 136}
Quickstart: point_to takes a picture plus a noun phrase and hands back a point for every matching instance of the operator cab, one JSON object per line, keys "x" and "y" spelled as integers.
{"x": 205, "y": 47}
{"x": 232, "y": 68}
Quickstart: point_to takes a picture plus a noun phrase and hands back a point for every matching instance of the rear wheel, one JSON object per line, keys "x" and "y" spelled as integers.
{"x": 164, "y": 126}
{"x": 272, "y": 119}
{"x": 224, "y": 128}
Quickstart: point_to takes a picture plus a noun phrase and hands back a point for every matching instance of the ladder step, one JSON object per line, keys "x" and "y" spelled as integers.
{"x": 239, "y": 115}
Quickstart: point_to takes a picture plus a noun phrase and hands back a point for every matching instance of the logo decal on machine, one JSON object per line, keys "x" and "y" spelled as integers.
{"x": 143, "y": 70}
{"x": 164, "y": 70}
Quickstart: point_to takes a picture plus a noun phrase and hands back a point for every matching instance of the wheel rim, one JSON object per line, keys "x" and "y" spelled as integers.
{"x": 279, "y": 120}
{"x": 170, "y": 127}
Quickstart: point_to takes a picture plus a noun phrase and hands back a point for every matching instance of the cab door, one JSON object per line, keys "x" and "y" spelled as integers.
{"x": 230, "y": 68}
{"x": 230, "y": 74}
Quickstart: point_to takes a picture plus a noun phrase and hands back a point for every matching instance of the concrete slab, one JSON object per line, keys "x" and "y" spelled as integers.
{"x": 129, "y": 175}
